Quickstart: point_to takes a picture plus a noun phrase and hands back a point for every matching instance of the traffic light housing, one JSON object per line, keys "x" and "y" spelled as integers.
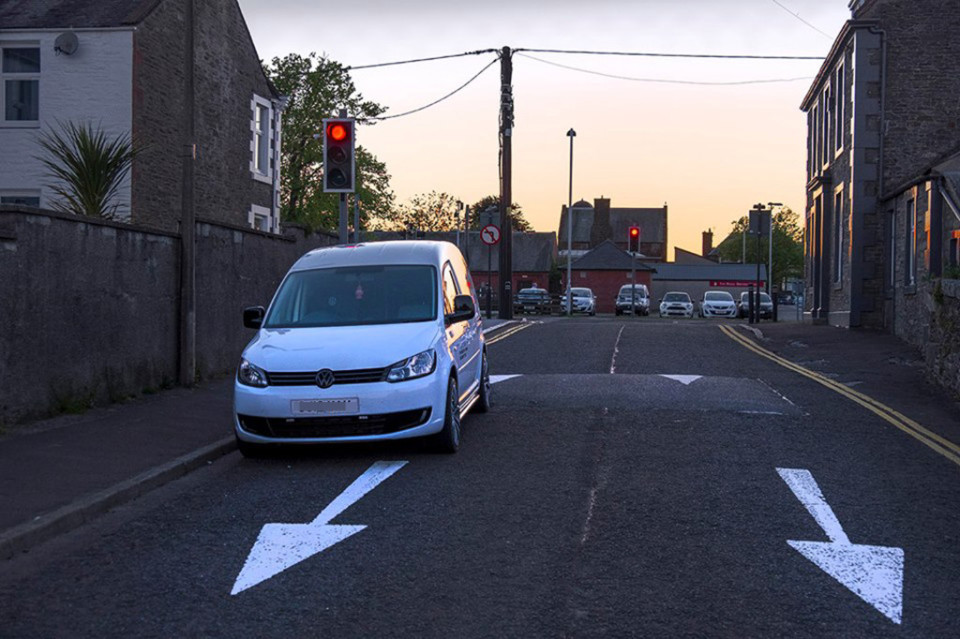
{"x": 633, "y": 239}
{"x": 339, "y": 162}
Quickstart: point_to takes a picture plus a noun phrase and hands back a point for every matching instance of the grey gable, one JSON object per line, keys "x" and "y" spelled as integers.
{"x": 652, "y": 221}
{"x": 78, "y": 14}
{"x": 607, "y": 257}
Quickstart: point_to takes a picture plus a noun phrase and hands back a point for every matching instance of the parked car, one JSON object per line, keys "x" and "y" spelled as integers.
{"x": 640, "y": 298}
{"x": 360, "y": 343}
{"x": 532, "y": 300}
{"x": 766, "y": 306}
{"x": 676, "y": 304}
{"x": 584, "y": 301}
{"x": 718, "y": 304}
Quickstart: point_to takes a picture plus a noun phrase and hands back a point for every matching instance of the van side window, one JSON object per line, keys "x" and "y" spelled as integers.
{"x": 450, "y": 289}
{"x": 464, "y": 278}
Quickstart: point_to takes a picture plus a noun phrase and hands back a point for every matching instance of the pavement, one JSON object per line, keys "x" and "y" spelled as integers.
{"x": 60, "y": 473}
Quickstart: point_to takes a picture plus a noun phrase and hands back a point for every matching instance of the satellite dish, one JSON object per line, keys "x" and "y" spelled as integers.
{"x": 66, "y": 43}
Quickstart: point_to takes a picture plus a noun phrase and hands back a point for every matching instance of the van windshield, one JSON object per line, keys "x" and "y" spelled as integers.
{"x": 355, "y": 295}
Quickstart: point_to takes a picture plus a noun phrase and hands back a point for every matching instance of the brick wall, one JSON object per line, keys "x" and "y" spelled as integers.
{"x": 227, "y": 75}
{"x": 90, "y": 309}
{"x": 922, "y": 112}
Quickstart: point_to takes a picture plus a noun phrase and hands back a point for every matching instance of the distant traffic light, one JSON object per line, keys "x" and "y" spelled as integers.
{"x": 633, "y": 239}
{"x": 338, "y": 155}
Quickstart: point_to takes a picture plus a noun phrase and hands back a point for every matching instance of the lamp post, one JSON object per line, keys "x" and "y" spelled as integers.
{"x": 770, "y": 205}
{"x": 570, "y": 134}
{"x": 459, "y": 208}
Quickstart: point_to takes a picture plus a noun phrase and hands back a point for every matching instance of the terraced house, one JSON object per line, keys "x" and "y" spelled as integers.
{"x": 883, "y": 187}
{"x": 181, "y": 76}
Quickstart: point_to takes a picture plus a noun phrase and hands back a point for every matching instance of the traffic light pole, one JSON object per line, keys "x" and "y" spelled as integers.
{"x": 344, "y": 216}
{"x": 506, "y": 195}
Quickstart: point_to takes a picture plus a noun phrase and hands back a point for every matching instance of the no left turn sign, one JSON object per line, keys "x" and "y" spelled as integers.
{"x": 490, "y": 234}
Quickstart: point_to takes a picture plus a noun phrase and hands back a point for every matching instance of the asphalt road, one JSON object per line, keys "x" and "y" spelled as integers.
{"x": 597, "y": 498}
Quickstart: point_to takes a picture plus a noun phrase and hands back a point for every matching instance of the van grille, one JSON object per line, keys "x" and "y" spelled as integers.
{"x": 338, "y": 426}
{"x": 309, "y": 378}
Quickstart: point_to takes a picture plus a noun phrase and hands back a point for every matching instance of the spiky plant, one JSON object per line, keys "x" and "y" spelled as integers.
{"x": 87, "y": 166}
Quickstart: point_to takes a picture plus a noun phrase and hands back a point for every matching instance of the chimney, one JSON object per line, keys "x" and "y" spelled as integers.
{"x": 707, "y": 242}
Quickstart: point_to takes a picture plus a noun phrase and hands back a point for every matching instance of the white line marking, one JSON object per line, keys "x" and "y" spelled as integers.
{"x": 686, "y": 380}
{"x": 280, "y": 546}
{"x": 873, "y": 573}
{"x": 501, "y": 378}
{"x": 616, "y": 349}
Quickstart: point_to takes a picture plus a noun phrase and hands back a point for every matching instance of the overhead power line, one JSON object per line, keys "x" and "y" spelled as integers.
{"x": 676, "y": 55}
{"x": 662, "y": 80}
{"x": 437, "y": 101}
{"x": 797, "y": 16}
{"x": 439, "y": 57}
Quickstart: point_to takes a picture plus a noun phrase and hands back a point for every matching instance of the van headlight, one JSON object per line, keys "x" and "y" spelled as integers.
{"x": 250, "y": 375}
{"x": 419, "y": 365}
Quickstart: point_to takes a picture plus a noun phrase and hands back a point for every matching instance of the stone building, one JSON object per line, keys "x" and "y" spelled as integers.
{"x": 882, "y": 116}
{"x": 595, "y": 224}
{"x": 122, "y": 65}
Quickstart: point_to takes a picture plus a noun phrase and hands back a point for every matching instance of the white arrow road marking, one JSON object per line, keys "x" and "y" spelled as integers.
{"x": 280, "y": 546}
{"x": 686, "y": 380}
{"x": 501, "y": 378}
{"x": 873, "y": 573}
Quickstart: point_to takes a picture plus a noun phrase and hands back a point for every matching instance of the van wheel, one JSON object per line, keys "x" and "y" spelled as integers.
{"x": 483, "y": 401}
{"x": 448, "y": 439}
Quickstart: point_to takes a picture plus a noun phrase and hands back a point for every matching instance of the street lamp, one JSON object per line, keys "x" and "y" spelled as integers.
{"x": 459, "y": 208}
{"x": 570, "y": 134}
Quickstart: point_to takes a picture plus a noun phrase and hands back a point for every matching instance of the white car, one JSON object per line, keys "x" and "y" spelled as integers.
{"x": 718, "y": 304}
{"x": 369, "y": 342}
{"x": 676, "y": 304}
{"x": 584, "y": 301}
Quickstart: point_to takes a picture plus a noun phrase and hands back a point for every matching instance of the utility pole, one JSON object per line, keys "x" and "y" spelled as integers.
{"x": 506, "y": 185}
{"x": 571, "y": 134}
{"x": 188, "y": 247}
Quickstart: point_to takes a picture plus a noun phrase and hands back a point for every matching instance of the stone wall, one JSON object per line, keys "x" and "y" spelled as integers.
{"x": 90, "y": 310}
{"x": 942, "y": 352}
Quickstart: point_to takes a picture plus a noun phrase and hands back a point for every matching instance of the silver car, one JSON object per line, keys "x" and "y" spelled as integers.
{"x": 718, "y": 304}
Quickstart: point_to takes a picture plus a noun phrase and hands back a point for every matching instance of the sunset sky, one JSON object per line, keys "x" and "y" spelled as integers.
{"x": 709, "y": 151}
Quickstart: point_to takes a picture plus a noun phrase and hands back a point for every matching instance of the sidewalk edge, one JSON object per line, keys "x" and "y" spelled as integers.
{"x": 25, "y": 536}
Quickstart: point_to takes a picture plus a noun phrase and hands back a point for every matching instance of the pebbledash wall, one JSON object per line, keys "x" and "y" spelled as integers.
{"x": 90, "y": 308}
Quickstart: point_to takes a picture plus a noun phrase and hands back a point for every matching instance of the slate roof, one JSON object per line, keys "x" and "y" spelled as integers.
{"x": 652, "y": 221}
{"x": 607, "y": 257}
{"x": 702, "y": 272}
{"x": 78, "y": 14}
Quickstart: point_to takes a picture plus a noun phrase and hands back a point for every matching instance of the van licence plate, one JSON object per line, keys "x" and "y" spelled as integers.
{"x": 324, "y": 406}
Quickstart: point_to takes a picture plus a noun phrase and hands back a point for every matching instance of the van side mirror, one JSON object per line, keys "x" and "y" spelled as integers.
{"x": 463, "y": 310}
{"x": 253, "y": 316}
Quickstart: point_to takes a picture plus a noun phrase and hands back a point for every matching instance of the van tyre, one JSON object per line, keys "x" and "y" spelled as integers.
{"x": 448, "y": 439}
{"x": 483, "y": 400}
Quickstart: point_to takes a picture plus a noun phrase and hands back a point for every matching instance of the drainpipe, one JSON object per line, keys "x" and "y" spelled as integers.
{"x": 278, "y": 106}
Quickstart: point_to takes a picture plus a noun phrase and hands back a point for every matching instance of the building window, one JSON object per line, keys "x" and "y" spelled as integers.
{"x": 910, "y": 277}
{"x": 260, "y": 219}
{"x": 20, "y": 85}
{"x": 840, "y": 94}
{"x": 838, "y": 234}
{"x": 892, "y": 250}
{"x": 825, "y": 132}
{"x": 261, "y": 130}
{"x": 23, "y": 198}
{"x": 815, "y": 143}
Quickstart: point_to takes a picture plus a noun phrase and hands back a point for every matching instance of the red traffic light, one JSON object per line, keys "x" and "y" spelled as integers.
{"x": 337, "y": 132}
{"x": 634, "y": 231}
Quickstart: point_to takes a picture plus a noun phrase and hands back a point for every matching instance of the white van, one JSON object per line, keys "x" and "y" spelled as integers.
{"x": 360, "y": 343}
{"x": 641, "y": 299}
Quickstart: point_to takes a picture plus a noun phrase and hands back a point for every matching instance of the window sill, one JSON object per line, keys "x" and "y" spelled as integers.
{"x": 19, "y": 124}
{"x": 838, "y": 286}
{"x": 261, "y": 177}
{"x": 910, "y": 289}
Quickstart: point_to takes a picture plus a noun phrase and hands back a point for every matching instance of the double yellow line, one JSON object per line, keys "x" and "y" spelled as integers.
{"x": 513, "y": 330}
{"x": 927, "y": 437}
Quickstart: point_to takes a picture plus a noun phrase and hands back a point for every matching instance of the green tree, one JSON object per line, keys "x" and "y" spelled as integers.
{"x": 317, "y": 88}
{"x": 519, "y": 222}
{"x": 787, "y": 245}
{"x": 87, "y": 166}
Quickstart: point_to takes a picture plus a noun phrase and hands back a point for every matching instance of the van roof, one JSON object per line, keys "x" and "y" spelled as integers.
{"x": 374, "y": 253}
